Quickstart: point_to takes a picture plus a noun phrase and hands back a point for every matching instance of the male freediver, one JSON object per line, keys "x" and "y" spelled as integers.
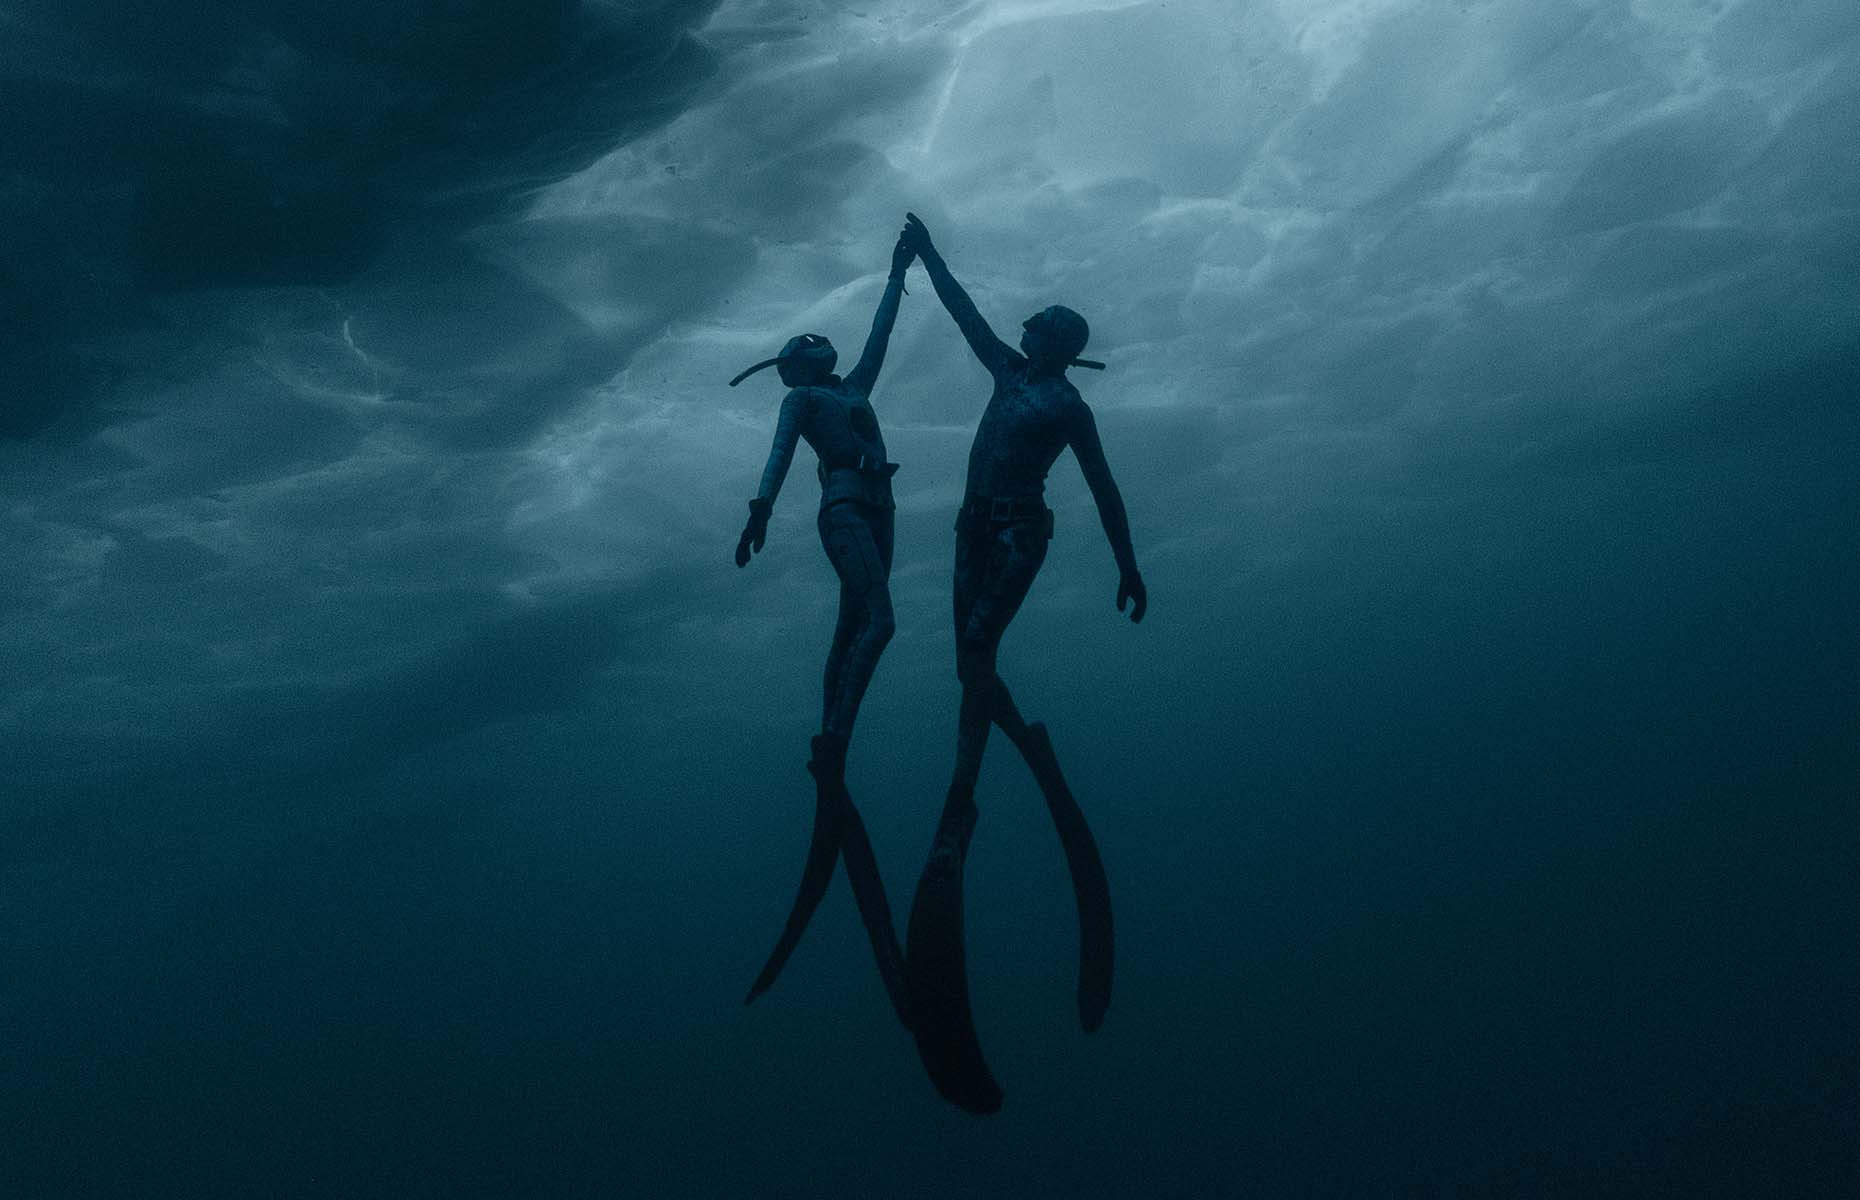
{"x": 834, "y": 416}
{"x": 1002, "y": 530}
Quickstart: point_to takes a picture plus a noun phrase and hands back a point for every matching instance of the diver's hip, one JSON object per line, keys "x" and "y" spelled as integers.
{"x": 866, "y": 482}
{"x": 982, "y": 513}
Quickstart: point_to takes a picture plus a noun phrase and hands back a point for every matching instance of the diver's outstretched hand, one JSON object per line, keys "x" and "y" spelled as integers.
{"x": 901, "y": 256}
{"x": 756, "y": 532}
{"x": 1130, "y": 588}
{"x": 916, "y": 236}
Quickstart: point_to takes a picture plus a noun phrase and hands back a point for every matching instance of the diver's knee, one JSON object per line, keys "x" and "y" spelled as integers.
{"x": 877, "y": 623}
{"x": 974, "y": 663}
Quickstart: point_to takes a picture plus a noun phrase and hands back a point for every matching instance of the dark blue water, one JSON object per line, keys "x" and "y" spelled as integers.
{"x": 400, "y": 787}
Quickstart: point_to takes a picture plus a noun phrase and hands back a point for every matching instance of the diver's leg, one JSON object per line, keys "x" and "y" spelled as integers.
{"x": 975, "y": 668}
{"x": 858, "y": 545}
{"x": 976, "y": 555}
{"x": 868, "y": 645}
{"x": 1002, "y": 566}
{"x": 1022, "y": 553}
{"x": 884, "y": 533}
{"x": 873, "y": 540}
{"x": 1091, "y": 890}
{"x": 1006, "y": 714}
{"x": 855, "y": 534}
{"x": 828, "y": 765}
{"x": 845, "y": 627}
{"x": 935, "y": 957}
{"x": 1017, "y": 555}
{"x": 844, "y": 630}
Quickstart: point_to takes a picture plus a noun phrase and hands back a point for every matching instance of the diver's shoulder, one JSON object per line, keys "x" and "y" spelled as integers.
{"x": 812, "y": 393}
{"x": 1067, "y": 395}
{"x": 1074, "y": 411}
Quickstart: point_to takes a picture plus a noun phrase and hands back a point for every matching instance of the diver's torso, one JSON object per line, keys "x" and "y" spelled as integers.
{"x": 843, "y": 430}
{"x": 1021, "y": 434}
{"x": 841, "y": 426}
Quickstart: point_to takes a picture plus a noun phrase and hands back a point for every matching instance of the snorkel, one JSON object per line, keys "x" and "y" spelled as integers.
{"x": 805, "y": 359}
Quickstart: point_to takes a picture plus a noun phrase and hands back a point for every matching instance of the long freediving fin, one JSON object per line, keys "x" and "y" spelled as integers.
{"x": 937, "y": 972}
{"x": 822, "y": 852}
{"x": 868, "y": 889}
{"x": 1090, "y": 888}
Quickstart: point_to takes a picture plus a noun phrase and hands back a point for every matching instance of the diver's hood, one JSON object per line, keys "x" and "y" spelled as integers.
{"x": 1066, "y": 330}
{"x": 810, "y": 348}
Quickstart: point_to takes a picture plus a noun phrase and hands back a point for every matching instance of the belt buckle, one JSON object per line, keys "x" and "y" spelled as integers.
{"x": 1001, "y": 508}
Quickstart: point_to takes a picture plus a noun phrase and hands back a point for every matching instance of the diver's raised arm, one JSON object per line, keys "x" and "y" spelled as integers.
{"x": 872, "y": 357}
{"x": 781, "y": 455}
{"x": 1082, "y": 434}
{"x": 994, "y": 353}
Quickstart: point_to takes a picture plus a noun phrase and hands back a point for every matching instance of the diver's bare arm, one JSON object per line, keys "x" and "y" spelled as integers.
{"x": 1089, "y": 450}
{"x": 994, "y": 353}
{"x": 872, "y": 357}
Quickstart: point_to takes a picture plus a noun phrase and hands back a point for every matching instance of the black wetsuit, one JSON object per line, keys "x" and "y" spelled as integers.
{"x": 1003, "y": 526}
{"x": 1002, "y": 531}
{"x": 835, "y": 418}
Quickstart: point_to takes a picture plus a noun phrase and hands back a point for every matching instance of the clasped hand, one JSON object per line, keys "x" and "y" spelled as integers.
{"x": 915, "y": 236}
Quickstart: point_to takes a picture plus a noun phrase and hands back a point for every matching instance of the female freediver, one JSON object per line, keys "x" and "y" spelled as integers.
{"x": 834, "y": 416}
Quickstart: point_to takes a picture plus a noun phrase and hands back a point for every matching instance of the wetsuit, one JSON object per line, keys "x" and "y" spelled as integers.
{"x": 856, "y": 511}
{"x": 834, "y": 416}
{"x": 1002, "y": 531}
{"x": 1003, "y": 526}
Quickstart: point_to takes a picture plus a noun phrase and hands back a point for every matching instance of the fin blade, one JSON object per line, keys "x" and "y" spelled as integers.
{"x": 822, "y": 852}
{"x": 868, "y": 888}
{"x": 937, "y": 973}
{"x": 1091, "y": 889}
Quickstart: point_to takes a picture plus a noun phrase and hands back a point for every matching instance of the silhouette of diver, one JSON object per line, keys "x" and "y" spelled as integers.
{"x": 834, "y": 416}
{"x": 1002, "y": 530}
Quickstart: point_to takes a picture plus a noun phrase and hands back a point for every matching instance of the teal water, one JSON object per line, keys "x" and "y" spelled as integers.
{"x": 401, "y": 786}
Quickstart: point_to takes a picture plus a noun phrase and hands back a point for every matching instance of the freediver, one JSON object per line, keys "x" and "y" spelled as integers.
{"x": 1002, "y": 531}
{"x": 834, "y": 416}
